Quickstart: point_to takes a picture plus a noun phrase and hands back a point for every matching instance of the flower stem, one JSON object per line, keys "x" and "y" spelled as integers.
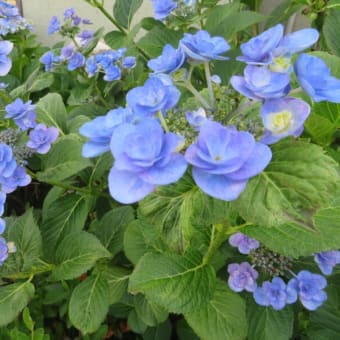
{"x": 163, "y": 122}
{"x": 196, "y": 94}
{"x": 209, "y": 83}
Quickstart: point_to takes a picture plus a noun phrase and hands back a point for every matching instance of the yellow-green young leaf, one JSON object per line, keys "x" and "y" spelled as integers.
{"x": 65, "y": 215}
{"x": 13, "y": 299}
{"x": 89, "y": 304}
{"x": 63, "y": 160}
{"x": 177, "y": 283}
{"x": 298, "y": 181}
{"x": 76, "y": 254}
{"x": 224, "y": 317}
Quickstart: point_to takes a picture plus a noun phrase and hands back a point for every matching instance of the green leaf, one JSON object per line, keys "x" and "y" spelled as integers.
{"x": 76, "y": 254}
{"x": 13, "y": 299}
{"x": 289, "y": 201}
{"x": 65, "y": 215}
{"x": 51, "y": 111}
{"x": 178, "y": 283}
{"x": 89, "y": 304}
{"x": 63, "y": 160}
{"x": 43, "y": 81}
{"x": 265, "y": 323}
{"x": 110, "y": 229}
{"x": 161, "y": 332}
{"x": 331, "y": 30}
{"x": 223, "y": 317}
{"x": 124, "y": 10}
{"x": 26, "y": 316}
{"x": 299, "y": 180}
{"x": 25, "y": 234}
{"x": 139, "y": 238}
{"x": 226, "y": 20}
{"x": 333, "y": 3}
{"x": 150, "y": 313}
{"x": 152, "y": 43}
{"x": 135, "y": 323}
{"x": 117, "y": 279}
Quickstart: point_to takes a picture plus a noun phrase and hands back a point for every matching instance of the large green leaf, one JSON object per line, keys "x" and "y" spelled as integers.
{"x": 89, "y": 304}
{"x": 25, "y": 234}
{"x": 63, "y": 160}
{"x": 180, "y": 284}
{"x": 331, "y": 30}
{"x": 299, "y": 180}
{"x": 124, "y": 10}
{"x": 13, "y": 299}
{"x": 110, "y": 229}
{"x": 51, "y": 111}
{"x": 265, "y": 323}
{"x": 222, "y": 318}
{"x": 76, "y": 254}
{"x": 65, "y": 215}
{"x": 289, "y": 201}
{"x": 175, "y": 208}
{"x": 226, "y": 20}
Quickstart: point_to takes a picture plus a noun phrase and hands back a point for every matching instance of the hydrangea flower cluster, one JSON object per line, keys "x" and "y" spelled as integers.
{"x": 267, "y": 78}
{"x": 10, "y": 20}
{"x": 305, "y": 286}
{"x": 223, "y": 159}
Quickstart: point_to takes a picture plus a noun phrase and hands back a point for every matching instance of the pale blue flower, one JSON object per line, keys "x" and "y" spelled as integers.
{"x": 242, "y": 277}
{"x": 163, "y": 8}
{"x": 5, "y": 62}
{"x": 243, "y": 243}
{"x": 41, "y": 138}
{"x": 327, "y": 260}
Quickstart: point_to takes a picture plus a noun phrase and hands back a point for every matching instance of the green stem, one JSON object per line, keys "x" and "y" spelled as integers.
{"x": 196, "y": 94}
{"x": 108, "y": 16}
{"x": 216, "y": 239}
{"x": 209, "y": 83}
{"x": 75, "y": 43}
{"x": 163, "y": 122}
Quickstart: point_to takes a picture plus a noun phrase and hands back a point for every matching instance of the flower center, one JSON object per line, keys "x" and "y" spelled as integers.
{"x": 280, "y": 122}
{"x": 280, "y": 64}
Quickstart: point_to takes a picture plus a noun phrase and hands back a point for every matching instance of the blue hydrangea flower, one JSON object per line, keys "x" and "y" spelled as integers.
{"x": 77, "y": 60}
{"x": 309, "y": 288}
{"x": 152, "y": 97}
{"x": 8, "y": 10}
{"x": 54, "y": 26}
{"x": 67, "y": 52}
{"x": 129, "y": 62}
{"x": 69, "y": 13}
{"x": 283, "y": 117}
{"x": 5, "y": 62}
{"x": 274, "y": 49}
{"x": 48, "y": 59}
{"x": 274, "y": 294}
{"x": 144, "y": 158}
{"x": 202, "y": 47}
{"x": 163, "y": 8}
{"x": 112, "y": 73}
{"x": 7, "y": 161}
{"x": 42, "y": 137}
{"x": 85, "y": 37}
{"x": 242, "y": 277}
{"x": 22, "y": 113}
{"x": 258, "y": 50}
{"x": 2, "y": 226}
{"x": 169, "y": 61}
{"x": 224, "y": 159}
{"x": 326, "y": 260}
{"x": 196, "y": 118}
{"x": 244, "y": 243}
{"x": 19, "y": 178}
{"x": 91, "y": 67}
{"x": 315, "y": 78}
{"x": 99, "y": 131}
{"x": 3, "y": 251}
{"x": 261, "y": 83}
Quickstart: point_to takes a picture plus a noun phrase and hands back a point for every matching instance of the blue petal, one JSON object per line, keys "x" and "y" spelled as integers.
{"x": 127, "y": 187}
{"x": 218, "y": 186}
{"x": 256, "y": 163}
{"x": 240, "y": 85}
{"x": 92, "y": 149}
{"x": 167, "y": 174}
